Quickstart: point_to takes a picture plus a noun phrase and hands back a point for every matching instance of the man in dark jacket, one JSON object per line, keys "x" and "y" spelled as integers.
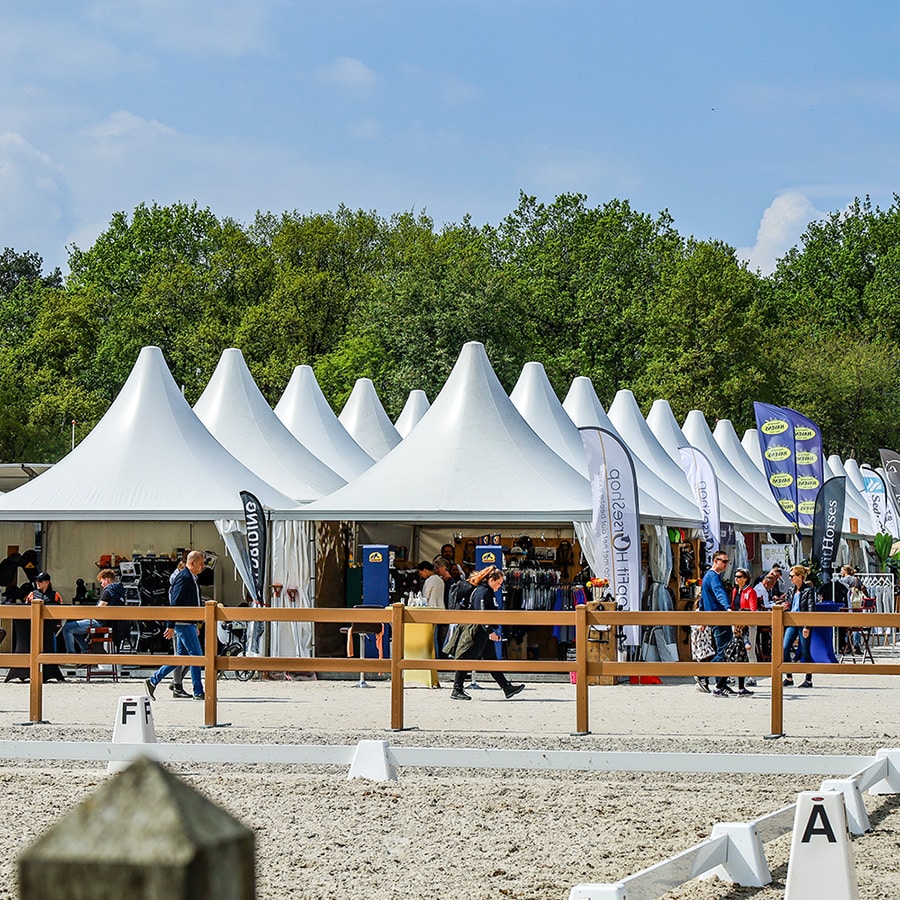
{"x": 184, "y": 592}
{"x": 713, "y": 598}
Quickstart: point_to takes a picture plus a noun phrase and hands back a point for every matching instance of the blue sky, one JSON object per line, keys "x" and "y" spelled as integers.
{"x": 744, "y": 120}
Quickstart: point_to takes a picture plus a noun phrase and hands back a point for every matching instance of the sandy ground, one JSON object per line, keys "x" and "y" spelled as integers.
{"x": 473, "y": 833}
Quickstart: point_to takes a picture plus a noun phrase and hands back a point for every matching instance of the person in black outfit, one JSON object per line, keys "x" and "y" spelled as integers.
{"x": 484, "y": 637}
{"x": 43, "y": 590}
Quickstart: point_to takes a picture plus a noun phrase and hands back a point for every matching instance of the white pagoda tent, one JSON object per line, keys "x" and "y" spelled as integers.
{"x": 147, "y": 479}
{"x": 471, "y": 459}
{"x": 305, "y": 412}
{"x": 366, "y": 421}
{"x": 415, "y": 407}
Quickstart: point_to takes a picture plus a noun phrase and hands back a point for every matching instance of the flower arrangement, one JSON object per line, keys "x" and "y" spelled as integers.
{"x": 598, "y": 582}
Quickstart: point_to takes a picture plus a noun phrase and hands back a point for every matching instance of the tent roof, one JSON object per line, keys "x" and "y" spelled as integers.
{"x": 415, "y": 407}
{"x": 661, "y": 421}
{"x": 657, "y": 499}
{"x": 626, "y": 416}
{"x": 471, "y": 458}
{"x": 149, "y": 457}
{"x": 366, "y": 421}
{"x": 855, "y": 506}
{"x": 768, "y": 514}
{"x": 306, "y": 414}
{"x": 238, "y": 416}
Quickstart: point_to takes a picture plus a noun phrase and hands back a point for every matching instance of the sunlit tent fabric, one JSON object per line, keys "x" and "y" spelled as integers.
{"x": 415, "y": 407}
{"x": 306, "y": 414}
{"x": 625, "y": 414}
{"x": 366, "y": 421}
{"x": 471, "y": 458}
{"x": 585, "y": 410}
{"x": 855, "y": 505}
{"x": 768, "y": 514}
{"x": 238, "y": 416}
{"x": 149, "y": 457}
{"x": 667, "y": 431}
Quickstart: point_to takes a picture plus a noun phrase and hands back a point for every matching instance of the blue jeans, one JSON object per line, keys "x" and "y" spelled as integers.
{"x": 791, "y": 634}
{"x": 722, "y": 635}
{"x": 74, "y": 632}
{"x": 187, "y": 643}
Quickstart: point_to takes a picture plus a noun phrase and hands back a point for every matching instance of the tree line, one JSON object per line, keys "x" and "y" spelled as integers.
{"x": 605, "y": 291}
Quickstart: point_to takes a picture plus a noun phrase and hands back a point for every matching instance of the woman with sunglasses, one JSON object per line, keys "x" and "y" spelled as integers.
{"x": 744, "y": 596}
{"x": 801, "y": 599}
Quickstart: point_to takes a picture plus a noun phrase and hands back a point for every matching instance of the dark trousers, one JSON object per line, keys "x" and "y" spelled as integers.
{"x": 479, "y": 650}
{"x": 722, "y": 635}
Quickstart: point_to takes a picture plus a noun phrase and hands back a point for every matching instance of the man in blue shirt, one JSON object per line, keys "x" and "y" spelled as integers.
{"x": 713, "y": 598}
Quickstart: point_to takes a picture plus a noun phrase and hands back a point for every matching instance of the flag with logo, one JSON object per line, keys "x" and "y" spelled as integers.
{"x": 878, "y": 501}
{"x": 827, "y": 522}
{"x": 890, "y": 461}
{"x": 776, "y": 442}
{"x": 705, "y": 488}
{"x": 255, "y": 523}
{"x": 615, "y": 521}
{"x": 809, "y": 462}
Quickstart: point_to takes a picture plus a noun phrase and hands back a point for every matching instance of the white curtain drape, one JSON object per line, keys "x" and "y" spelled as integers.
{"x": 583, "y": 533}
{"x": 741, "y": 559}
{"x": 235, "y": 538}
{"x": 662, "y": 638}
{"x": 293, "y": 567}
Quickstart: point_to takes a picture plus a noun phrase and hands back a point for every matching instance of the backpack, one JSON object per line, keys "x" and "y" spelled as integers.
{"x": 460, "y": 595}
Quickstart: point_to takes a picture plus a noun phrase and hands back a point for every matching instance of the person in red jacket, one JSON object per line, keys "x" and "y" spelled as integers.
{"x": 744, "y": 596}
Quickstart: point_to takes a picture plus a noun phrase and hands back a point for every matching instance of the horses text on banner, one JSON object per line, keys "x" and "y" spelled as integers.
{"x": 827, "y": 521}
{"x": 702, "y": 479}
{"x": 776, "y": 441}
{"x": 615, "y": 524}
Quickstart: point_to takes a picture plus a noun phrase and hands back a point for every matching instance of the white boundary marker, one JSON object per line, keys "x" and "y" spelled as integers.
{"x": 446, "y": 757}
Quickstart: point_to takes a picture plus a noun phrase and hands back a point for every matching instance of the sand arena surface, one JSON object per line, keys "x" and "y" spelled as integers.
{"x": 473, "y": 833}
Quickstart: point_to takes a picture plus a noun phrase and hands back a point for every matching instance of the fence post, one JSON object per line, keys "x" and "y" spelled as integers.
{"x": 581, "y": 678}
{"x": 35, "y": 676}
{"x": 210, "y": 674}
{"x": 143, "y": 833}
{"x": 777, "y": 689}
{"x": 397, "y": 616}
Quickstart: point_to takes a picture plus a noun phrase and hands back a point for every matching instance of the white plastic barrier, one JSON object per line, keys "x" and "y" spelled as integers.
{"x": 134, "y": 725}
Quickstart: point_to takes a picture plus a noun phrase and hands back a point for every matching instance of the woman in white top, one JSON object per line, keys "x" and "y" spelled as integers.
{"x": 432, "y": 585}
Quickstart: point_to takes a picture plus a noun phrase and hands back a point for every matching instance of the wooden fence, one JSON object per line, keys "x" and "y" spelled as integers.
{"x": 398, "y": 615}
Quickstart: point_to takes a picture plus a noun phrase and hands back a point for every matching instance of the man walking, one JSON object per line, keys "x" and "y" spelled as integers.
{"x": 713, "y": 598}
{"x": 184, "y": 592}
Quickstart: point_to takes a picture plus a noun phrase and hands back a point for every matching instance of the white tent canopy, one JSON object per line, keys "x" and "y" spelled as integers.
{"x": 658, "y": 501}
{"x": 415, "y": 407}
{"x": 662, "y": 423}
{"x": 237, "y": 415}
{"x": 471, "y": 458}
{"x": 855, "y": 505}
{"x": 366, "y": 421}
{"x": 149, "y": 457}
{"x": 306, "y": 414}
{"x": 625, "y": 414}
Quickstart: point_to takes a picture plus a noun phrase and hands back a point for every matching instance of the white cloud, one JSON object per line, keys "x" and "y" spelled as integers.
{"x": 33, "y": 197}
{"x": 349, "y": 75}
{"x": 230, "y": 27}
{"x": 366, "y": 128}
{"x": 782, "y": 226}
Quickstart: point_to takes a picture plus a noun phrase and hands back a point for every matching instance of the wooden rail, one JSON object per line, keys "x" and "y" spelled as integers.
{"x": 398, "y": 615}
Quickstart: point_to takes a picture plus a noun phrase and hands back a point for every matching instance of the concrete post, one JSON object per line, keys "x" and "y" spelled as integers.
{"x": 143, "y": 834}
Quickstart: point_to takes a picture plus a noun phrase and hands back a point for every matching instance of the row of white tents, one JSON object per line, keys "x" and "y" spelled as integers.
{"x": 475, "y": 457}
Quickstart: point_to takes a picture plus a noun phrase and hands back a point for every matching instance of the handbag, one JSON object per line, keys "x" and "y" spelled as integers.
{"x": 702, "y": 647}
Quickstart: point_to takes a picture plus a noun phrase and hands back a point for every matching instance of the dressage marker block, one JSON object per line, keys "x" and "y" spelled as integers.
{"x": 821, "y": 861}
{"x": 134, "y": 725}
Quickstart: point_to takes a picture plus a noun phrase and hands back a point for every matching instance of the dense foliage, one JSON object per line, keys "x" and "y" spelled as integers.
{"x": 606, "y": 292}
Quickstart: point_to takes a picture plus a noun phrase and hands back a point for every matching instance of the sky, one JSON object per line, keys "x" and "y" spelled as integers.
{"x": 745, "y": 121}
